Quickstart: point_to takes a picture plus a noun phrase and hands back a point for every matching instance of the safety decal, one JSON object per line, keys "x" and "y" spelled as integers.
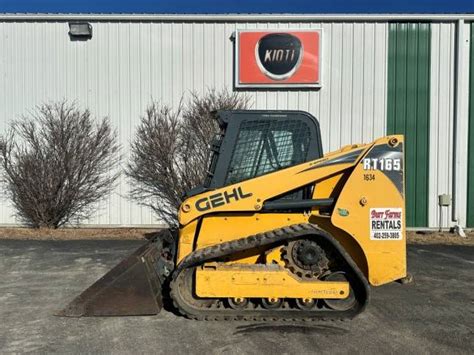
{"x": 386, "y": 223}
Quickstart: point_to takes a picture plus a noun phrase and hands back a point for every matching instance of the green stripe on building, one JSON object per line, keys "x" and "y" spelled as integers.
{"x": 470, "y": 157}
{"x": 408, "y": 110}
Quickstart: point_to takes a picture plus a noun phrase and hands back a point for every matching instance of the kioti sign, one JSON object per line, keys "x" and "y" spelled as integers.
{"x": 278, "y": 59}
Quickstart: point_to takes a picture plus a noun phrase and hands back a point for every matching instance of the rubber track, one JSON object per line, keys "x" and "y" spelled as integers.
{"x": 275, "y": 236}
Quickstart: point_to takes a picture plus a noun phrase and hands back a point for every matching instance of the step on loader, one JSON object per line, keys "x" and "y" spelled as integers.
{"x": 278, "y": 230}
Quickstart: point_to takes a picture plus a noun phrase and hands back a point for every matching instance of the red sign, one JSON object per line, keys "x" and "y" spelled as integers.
{"x": 278, "y": 59}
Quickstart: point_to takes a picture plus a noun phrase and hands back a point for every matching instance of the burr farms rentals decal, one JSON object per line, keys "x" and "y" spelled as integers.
{"x": 266, "y": 59}
{"x": 386, "y": 223}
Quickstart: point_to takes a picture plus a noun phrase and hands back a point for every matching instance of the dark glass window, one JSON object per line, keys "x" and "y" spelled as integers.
{"x": 266, "y": 146}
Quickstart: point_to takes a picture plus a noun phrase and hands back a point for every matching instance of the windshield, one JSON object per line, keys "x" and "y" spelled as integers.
{"x": 266, "y": 146}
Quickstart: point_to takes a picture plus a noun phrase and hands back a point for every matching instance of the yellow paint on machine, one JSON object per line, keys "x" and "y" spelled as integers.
{"x": 386, "y": 259}
{"x": 258, "y": 281}
{"x": 355, "y": 191}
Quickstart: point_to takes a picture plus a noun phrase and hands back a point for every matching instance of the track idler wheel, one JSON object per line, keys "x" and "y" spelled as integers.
{"x": 343, "y": 304}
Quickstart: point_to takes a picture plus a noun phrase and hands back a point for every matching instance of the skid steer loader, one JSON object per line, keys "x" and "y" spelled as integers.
{"x": 278, "y": 230}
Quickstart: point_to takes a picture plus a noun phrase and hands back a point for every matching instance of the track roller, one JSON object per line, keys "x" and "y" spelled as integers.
{"x": 272, "y": 303}
{"x": 305, "y": 303}
{"x": 238, "y": 302}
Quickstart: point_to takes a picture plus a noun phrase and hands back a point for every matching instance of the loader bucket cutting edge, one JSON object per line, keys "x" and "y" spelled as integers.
{"x": 131, "y": 288}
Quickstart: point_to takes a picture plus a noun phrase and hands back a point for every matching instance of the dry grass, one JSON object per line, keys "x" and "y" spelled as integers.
{"x": 76, "y": 233}
{"x": 440, "y": 238}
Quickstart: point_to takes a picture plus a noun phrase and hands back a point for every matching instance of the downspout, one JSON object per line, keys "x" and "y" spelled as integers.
{"x": 459, "y": 129}
{"x": 454, "y": 209}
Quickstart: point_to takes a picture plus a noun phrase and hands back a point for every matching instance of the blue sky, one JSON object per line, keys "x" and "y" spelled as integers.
{"x": 240, "y": 6}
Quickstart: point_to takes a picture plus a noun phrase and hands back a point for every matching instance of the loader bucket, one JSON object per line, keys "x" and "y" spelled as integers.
{"x": 132, "y": 287}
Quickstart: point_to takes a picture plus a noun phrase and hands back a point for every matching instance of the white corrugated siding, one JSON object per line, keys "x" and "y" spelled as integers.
{"x": 441, "y": 119}
{"x": 126, "y": 64}
{"x": 442, "y": 110}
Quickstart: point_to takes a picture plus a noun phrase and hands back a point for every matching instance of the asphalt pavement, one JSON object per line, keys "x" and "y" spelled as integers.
{"x": 435, "y": 314}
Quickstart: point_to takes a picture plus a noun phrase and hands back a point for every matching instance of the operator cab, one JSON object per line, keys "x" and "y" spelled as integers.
{"x": 252, "y": 143}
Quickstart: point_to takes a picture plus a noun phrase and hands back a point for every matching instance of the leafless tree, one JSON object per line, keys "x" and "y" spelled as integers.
{"x": 169, "y": 154}
{"x": 57, "y": 163}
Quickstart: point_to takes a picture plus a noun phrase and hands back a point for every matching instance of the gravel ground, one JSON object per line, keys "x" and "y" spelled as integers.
{"x": 435, "y": 314}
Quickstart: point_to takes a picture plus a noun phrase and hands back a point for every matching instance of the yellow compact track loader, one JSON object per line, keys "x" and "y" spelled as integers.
{"x": 278, "y": 230}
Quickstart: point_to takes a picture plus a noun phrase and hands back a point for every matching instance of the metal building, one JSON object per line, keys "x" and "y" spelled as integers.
{"x": 379, "y": 74}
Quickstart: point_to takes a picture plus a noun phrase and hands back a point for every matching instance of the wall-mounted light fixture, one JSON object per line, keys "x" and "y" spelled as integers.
{"x": 80, "y": 30}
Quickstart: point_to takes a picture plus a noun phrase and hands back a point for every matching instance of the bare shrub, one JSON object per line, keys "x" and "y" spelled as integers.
{"x": 57, "y": 163}
{"x": 169, "y": 154}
